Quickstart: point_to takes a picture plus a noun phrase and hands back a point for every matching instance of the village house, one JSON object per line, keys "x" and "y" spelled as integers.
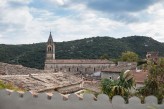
{"x": 114, "y": 71}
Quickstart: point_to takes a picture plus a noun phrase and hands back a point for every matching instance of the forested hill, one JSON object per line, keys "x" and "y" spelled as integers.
{"x": 33, "y": 55}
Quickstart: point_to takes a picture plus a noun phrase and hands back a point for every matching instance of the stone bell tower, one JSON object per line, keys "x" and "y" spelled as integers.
{"x": 50, "y": 51}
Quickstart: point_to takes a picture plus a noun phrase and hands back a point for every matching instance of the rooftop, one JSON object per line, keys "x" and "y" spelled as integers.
{"x": 41, "y": 82}
{"x": 139, "y": 76}
{"x": 9, "y": 69}
{"x": 122, "y": 66}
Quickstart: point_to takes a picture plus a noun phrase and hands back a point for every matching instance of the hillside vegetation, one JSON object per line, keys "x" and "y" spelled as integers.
{"x": 33, "y": 55}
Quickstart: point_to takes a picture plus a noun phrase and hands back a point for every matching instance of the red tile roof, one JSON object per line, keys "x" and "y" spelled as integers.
{"x": 139, "y": 76}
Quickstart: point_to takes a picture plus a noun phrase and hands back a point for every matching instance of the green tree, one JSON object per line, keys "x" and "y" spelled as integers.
{"x": 154, "y": 84}
{"x": 122, "y": 86}
{"x": 107, "y": 86}
{"x": 104, "y": 56}
{"x": 129, "y": 56}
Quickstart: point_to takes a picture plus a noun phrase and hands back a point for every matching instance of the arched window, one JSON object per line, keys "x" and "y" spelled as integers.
{"x": 49, "y": 48}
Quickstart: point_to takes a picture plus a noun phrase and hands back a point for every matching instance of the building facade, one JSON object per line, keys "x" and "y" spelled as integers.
{"x": 114, "y": 71}
{"x": 81, "y": 66}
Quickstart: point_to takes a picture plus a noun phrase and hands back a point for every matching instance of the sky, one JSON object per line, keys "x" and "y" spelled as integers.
{"x": 30, "y": 21}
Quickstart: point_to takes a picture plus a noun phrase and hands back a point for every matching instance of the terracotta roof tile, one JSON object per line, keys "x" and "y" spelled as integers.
{"x": 139, "y": 76}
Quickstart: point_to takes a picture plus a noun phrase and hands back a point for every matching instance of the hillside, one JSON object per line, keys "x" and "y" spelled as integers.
{"x": 33, "y": 55}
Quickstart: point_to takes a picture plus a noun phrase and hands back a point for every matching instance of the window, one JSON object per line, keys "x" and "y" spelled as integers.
{"x": 77, "y": 69}
{"x": 49, "y": 48}
{"x": 69, "y": 69}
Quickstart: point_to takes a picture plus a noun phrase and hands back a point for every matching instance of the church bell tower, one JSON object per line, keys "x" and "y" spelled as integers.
{"x": 50, "y": 51}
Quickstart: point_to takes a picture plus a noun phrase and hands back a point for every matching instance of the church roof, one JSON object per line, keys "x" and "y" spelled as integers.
{"x": 78, "y": 61}
{"x": 50, "y": 39}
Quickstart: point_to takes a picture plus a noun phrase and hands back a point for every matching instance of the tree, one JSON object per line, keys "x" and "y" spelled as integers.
{"x": 121, "y": 86}
{"x": 129, "y": 56}
{"x": 104, "y": 56}
{"x": 126, "y": 80}
{"x": 107, "y": 85}
{"x": 154, "y": 84}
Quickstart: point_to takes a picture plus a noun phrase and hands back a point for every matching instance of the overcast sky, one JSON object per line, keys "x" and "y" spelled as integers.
{"x": 30, "y": 21}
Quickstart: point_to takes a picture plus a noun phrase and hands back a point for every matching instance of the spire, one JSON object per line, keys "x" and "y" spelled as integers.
{"x": 50, "y": 40}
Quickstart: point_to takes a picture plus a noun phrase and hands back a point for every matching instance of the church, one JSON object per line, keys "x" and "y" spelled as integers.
{"x": 74, "y": 66}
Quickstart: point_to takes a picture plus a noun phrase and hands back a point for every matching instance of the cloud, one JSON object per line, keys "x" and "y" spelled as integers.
{"x": 60, "y": 2}
{"x": 18, "y": 3}
{"x": 15, "y": 21}
{"x": 30, "y": 21}
{"x": 154, "y": 27}
{"x": 119, "y": 10}
{"x": 118, "y": 6}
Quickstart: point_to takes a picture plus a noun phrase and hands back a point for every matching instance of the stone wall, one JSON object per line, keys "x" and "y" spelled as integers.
{"x": 16, "y": 100}
{"x": 77, "y": 68}
{"x": 108, "y": 75}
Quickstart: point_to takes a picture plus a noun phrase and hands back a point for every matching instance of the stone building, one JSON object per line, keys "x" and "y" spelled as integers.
{"x": 75, "y": 66}
{"x": 114, "y": 71}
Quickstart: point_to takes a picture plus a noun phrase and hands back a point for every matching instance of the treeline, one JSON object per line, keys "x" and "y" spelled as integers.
{"x": 33, "y": 55}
